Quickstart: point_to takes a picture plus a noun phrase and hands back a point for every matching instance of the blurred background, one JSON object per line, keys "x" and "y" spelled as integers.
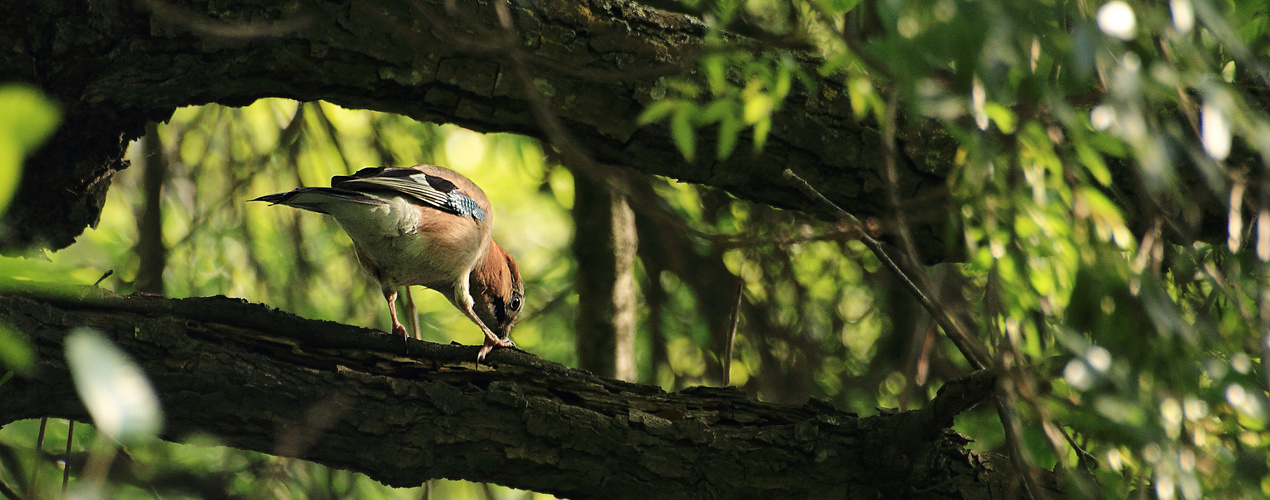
{"x": 177, "y": 223}
{"x": 1106, "y": 171}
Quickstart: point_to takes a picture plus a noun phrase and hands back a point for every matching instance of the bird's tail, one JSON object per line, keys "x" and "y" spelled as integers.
{"x": 318, "y": 199}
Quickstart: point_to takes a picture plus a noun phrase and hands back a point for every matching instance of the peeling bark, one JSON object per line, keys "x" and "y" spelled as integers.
{"x": 360, "y": 400}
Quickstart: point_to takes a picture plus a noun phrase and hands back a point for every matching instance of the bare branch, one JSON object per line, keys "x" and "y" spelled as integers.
{"x": 970, "y": 347}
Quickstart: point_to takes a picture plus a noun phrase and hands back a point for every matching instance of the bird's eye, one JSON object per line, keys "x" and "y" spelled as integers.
{"x": 515, "y": 302}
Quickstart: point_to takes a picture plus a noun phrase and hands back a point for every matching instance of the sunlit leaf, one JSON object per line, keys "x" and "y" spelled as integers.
{"x": 717, "y": 111}
{"x": 657, "y": 110}
{"x": 28, "y": 118}
{"x": 760, "y": 133}
{"x": 863, "y": 98}
{"x": 758, "y": 107}
{"x": 1092, "y": 162}
{"x": 681, "y": 131}
{"x": 729, "y": 131}
{"x": 1000, "y": 115}
{"x": 784, "y": 80}
{"x": 15, "y": 352}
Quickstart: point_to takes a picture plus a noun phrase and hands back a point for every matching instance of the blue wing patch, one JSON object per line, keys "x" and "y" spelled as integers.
{"x": 465, "y": 206}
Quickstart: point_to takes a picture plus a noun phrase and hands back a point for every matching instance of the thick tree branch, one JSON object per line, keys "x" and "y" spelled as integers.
{"x": 360, "y": 400}
{"x": 114, "y": 66}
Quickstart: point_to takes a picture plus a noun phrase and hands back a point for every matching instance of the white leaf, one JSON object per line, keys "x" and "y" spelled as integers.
{"x": 115, "y": 391}
{"x": 1116, "y": 19}
{"x": 1214, "y": 131}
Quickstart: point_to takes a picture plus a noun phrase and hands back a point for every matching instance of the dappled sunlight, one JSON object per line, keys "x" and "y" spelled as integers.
{"x": 1069, "y": 197}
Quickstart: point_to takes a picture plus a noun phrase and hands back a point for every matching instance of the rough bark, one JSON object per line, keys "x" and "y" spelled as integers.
{"x": 360, "y": 400}
{"x": 592, "y": 66}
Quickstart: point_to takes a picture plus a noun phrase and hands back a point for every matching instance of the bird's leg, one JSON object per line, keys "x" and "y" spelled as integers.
{"x": 464, "y": 301}
{"x": 490, "y": 337}
{"x": 412, "y": 315}
{"x": 484, "y": 349}
{"x": 390, "y": 294}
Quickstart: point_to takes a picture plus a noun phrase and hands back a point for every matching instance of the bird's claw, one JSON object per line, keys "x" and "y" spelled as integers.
{"x": 398, "y": 329}
{"x": 480, "y": 355}
{"x": 490, "y": 344}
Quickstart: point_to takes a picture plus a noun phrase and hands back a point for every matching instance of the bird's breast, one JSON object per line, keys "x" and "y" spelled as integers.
{"x": 403, "y": 244}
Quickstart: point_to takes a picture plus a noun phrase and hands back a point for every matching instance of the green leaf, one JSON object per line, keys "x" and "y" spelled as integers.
{"x": 15, "y": 352}
{"x": 27, "y": 120}
{"x": 1001, "y": 115}
{"x": 717, "y": 111}
{"x": 681, "y": 131}
{"x": 760, "y": 133}
{"x": 758, "y": 108}
{"x": 1093, "y": 162}
{"x": 784, "y": 80}
{"x": 658, "y": 110}
{"x": 29, "y": 117}
{"x": 729, "y": 130}
{"x": 863, "y": 98}
{"x": 114, "y": 389}
{"x": 716, "y": 74}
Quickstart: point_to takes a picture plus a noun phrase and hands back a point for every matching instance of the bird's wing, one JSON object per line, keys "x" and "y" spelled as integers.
{"x": 428, "y": 190}
{"x": 318, "y": 199}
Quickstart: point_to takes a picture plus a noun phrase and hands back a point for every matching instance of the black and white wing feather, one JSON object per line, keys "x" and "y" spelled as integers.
{"x": 429, "y": 190}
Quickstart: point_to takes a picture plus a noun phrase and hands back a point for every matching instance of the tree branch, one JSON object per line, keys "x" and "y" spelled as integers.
{"x": 113, "y": 66}
{"x": 354, "y": 399}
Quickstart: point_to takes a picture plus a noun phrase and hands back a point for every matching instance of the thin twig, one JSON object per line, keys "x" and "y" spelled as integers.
{"x": 1084, "y": 459}
{"x": 893, "y": 182}
{"x": 906, "y": 238}
{"x": 8, "y": 491}
{"x": 733, "y": 320}
{"x": 98, "y": 282}
{"x": 971, "y": 349}
{"x": 66, "y": 470}
{"x": 1008, "y": 411}
{"x": 32, "y": 489}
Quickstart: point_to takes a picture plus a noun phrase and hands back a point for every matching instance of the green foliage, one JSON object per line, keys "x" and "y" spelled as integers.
{"x": 1059, "y": 109}
{"x": 28, "y": 119}
{"x": 740, "y": 92}
{"x": 1087, "y": 149}
{"x": 219, "y": 157}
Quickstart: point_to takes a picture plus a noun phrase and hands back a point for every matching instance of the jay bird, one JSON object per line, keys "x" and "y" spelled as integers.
{"x": 423, "y": 225}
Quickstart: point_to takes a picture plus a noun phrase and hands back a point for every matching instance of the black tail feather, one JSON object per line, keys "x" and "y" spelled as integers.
{"x": 296, "y": 198}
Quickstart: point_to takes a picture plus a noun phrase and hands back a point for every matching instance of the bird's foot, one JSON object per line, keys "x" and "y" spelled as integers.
{"x": 485, "y": 349}
{"x": 398, "y": 329}
{"x": 493, "y": 340}
{"x": 490, "y": 345}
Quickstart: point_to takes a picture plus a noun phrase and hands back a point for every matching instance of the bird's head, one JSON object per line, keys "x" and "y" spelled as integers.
{"x": 497, "y": 291}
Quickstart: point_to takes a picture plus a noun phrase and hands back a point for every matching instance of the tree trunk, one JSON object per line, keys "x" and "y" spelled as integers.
{"x": 349, "y": 398}
{"x": 150, "y": 248}
{"x": 604, "y": 244}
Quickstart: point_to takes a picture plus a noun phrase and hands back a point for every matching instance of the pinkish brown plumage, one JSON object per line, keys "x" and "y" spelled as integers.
{"x": 424, "y": 225}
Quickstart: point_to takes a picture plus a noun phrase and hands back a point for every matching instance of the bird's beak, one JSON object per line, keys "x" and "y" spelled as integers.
{"x": 504, "y": 333}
